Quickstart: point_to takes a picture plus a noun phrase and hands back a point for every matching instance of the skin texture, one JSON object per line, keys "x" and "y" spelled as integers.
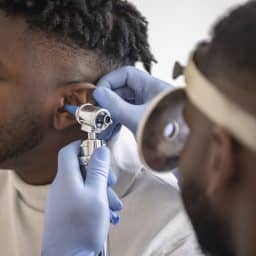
{"x": 218, "y": 178}
{"x": 37, "y": 76}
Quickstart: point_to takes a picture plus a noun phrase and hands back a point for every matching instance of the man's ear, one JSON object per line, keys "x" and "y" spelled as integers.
{"x": 220, "y": 169}
{"x": 72, "y": 94}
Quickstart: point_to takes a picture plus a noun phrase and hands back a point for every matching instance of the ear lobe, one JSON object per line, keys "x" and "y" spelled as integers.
{"x": 72, "y": 94}
{"x": 220, "y": 169}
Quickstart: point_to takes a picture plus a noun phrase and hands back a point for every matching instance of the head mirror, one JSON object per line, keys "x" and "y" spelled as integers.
{"x": 163, "y": 132}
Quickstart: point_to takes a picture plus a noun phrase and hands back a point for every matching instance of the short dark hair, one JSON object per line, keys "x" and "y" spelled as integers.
{"x": 233, "y": 44}
{"x": 113, "y": 28}
{"x": 230, "y": 54}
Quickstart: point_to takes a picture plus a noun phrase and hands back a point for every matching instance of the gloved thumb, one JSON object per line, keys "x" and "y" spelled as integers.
{"x": 97, "y": 170}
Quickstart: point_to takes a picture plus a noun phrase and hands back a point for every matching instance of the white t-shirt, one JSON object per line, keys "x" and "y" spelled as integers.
{"x": 153, "y": 221}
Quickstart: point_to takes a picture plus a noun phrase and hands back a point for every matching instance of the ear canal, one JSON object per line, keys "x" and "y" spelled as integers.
{"x": 74, "y": 94}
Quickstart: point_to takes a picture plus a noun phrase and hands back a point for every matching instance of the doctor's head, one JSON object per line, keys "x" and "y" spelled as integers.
{"x": 218, "y": 170}
{"x": 50, "y": 54}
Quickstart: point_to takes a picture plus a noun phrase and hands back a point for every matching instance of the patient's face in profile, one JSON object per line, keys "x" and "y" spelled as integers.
{"x": 23, "y": 91}
{"x": 37, "y": 77}
{"x": 49, "y": 54}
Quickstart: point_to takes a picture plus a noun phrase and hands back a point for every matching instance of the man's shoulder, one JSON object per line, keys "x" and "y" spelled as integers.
{"x": 162, "y": 205}
{"x": 158, "y": 191}
{"x": 154, "y": 198}
{"x": 153, "y": 219}
{"x": 175, "y": 239}
{"x": 5, "y": 176}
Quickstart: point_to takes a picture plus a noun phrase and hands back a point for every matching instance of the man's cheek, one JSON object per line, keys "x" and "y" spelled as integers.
{"x": 10, "y": 104}
{"x": 186, "y": 158}
{"x": 40, "y": 110}
{"x": 47, "y": 107}
{"x": 20, "y": 133}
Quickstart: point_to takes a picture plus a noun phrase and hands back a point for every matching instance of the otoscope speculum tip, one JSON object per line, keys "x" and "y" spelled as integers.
{"x": 71, "y": 109}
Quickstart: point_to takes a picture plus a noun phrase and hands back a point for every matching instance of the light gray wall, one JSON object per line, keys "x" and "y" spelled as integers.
{"x": 176, "y": 27}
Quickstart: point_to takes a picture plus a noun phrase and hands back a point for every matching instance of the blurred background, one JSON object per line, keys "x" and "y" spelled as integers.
{"x": 175, "y": 27}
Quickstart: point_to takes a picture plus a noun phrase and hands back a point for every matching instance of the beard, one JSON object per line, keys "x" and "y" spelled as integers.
{"x": 212, "y": 232}
{"x": 19, "y": 135}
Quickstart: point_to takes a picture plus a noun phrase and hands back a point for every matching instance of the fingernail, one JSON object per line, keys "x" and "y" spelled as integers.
{"x": 99, "y": 93}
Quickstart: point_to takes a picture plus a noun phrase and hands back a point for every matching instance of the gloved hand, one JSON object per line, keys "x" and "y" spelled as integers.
{"x": 78, "y": 212}
{"x": 126, "y": 93}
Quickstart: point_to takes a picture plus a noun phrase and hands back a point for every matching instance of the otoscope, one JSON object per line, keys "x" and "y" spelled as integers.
{"x": 93, "y": 120}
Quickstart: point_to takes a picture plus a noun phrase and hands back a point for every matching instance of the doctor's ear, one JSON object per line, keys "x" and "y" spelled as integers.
{"x": 72, "y": 94}
{"x": 221, "y": 170}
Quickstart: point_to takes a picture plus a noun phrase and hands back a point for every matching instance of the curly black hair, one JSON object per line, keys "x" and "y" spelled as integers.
{"x": 114, "y": 28}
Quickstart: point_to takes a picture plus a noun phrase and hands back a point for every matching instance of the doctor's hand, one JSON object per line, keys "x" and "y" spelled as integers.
{"x": 126, "y": 93}
{"x": 78, "y": 212}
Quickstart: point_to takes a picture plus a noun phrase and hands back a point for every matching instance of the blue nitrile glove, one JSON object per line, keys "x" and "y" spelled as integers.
{"x": 126, "y": 93}
{"x": 78, "y": 212}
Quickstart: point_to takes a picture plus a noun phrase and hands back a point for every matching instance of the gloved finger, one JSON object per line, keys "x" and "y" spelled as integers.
{"x": 112, "y": 179}
{"x": 120, "y": 110}
{"x": 114, "y": 218}
{"x": 98, "y": 170}
{"x": 115, "y": 204}
{"x": 68, "y": 164}
{"x": 112, "y": 102}
{"x": 118, "y": 78}
{"x": 127, "y": 94}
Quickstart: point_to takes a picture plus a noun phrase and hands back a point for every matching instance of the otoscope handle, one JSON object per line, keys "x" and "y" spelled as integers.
{"x": 93, "y": 120}
{"x": 86, "y": 150}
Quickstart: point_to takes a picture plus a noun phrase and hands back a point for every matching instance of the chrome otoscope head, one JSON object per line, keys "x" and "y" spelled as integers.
{"x": 92, "y": 119}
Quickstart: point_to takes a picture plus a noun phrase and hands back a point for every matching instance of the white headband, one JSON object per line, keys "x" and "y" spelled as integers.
{"x": 218, "y": 108}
